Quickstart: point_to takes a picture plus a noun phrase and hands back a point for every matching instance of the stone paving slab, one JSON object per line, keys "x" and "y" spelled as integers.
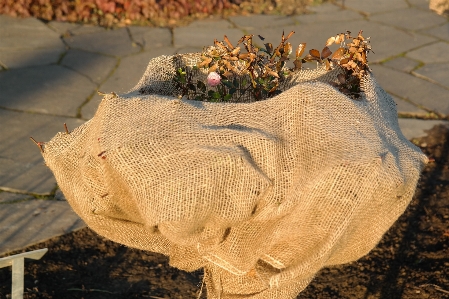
{"x": 29, "y": 222}
{"x": 204, "y": 35}
{"x": 251, "y": 23}
{"x": 66, "y": 28}
{"x": 8, "y": 197}
{"x": 125, "y": 77}
{"x": 330, "y": 17}
{"x": 418, "y": 91}
{"x": 386, "y": 41}
{"x": 409, "y": 19}
{"x": 29, "y": 33}
{"x": 111, "y": 42}
{"x": 423, "y": 4}
{"x": 22, "y": 166}
{"x": 96, "y": 67}
{"x": 416, "y": 128}
{"x": 403, "y": 64}
{"x": 18, "y": 58}
{"x": 373, "y": 7}
{"x": 436, "y": 52}
{"x": 151, "y": 38}
{"x": 405, "y": 107}
{"x": 51, "y": 89}
{"x": 436, "y": 72}
{"x": 441, "y": 31}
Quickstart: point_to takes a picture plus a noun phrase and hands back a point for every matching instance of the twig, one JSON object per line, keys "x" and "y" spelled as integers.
{"x": 39, "y": 144}
{"x": 65, "y": 127}
{"x": 438, "y": 288}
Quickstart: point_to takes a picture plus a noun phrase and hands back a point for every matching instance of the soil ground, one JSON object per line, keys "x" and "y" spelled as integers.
{"x": 411, "y": 261}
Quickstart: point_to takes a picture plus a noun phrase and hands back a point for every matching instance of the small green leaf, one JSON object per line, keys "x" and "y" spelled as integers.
{"x": 235, "y": 83}
{"x": 216, "y": 95}
{"x": 227, "y": 97}
{"x": 227, "y": 83}
{"x": 232, "y": 91}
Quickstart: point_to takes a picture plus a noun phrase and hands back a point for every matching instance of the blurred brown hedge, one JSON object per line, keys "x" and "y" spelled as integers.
{"x": 149, "y": 12}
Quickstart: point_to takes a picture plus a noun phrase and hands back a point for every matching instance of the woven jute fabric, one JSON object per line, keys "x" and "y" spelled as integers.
{"x": 261, "y": 194}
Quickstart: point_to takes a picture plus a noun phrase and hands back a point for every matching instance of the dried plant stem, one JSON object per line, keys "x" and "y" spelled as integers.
{"x": 39, "y": 144}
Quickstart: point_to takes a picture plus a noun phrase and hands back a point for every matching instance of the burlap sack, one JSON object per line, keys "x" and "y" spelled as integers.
{"x": 262, "y": 194}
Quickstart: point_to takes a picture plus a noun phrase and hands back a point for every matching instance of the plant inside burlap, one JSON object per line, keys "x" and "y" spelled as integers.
{"x": 261, "y": 194}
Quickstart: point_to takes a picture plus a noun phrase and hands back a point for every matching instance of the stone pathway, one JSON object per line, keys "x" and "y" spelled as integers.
{"x": 49, "y": 75}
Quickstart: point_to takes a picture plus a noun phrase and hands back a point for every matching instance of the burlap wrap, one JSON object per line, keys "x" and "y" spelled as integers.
{"x": 261, "y": 194}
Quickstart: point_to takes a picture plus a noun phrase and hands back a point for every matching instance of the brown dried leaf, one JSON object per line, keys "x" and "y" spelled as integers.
{"x": 236, "y": 51}
{"x": 338, "y": 54}
{"x": 274, "y": 74}
{"x": 315, "y": 53}
{"x": 227, "y": 74}
{"x": 328, "y": 65}
{"x": 213, "y": 68}
{"x": 287, "y": 49}
{"x": 300, "y": 50}
{"x": 298, "y": 64}
{"x": 325, "y": 53}
{"x": 205, "y": 62}
{"x": 269, "y": 47}
{"x": 352, "y": 50}
{"x": 339, "y": 38}
{"x": 228, "y": 42}
{"x": 309, "y": 57}
{"x": 330, "y": 41}
{"x": 344, "y": 61}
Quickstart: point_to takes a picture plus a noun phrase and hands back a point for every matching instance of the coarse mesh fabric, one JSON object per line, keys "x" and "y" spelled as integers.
{"x": 261, "y": 194}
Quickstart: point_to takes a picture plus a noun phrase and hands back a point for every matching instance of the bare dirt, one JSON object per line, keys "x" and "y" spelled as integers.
{"x": 411, "y": 261}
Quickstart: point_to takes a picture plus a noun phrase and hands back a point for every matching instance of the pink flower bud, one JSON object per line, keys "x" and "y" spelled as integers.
{"x": 213, "y": 79}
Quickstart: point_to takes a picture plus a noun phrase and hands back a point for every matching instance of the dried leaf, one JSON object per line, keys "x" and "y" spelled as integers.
{"x": 298, "y": 64}
{"x": 228, "y": 42}
{"x": 315, "y": 53}
{"x": 227, "y": 74}
{"x": 287, "y": 49}
{"x": 213, "y": 68}
{"x": 236, "y": 51}
{"x": 274, "y": 74}
{"x": 245, "y": 38}
{"x": 339, "y": 38}
{"x": 233, "y": 58}
{"x": 339, "y": 53}
{"x": 330, "y": 41}
{"x": 300, "y": 50}
{"x": 328, "y": 65}
{"x": 309, "y": 57}
{"x": 261, "y": 37}
{"x": 269, "y": 47}
{"x": 325, "y": 53}
{"x": 344, "y": 61}
{"x": 205, "y": 62}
